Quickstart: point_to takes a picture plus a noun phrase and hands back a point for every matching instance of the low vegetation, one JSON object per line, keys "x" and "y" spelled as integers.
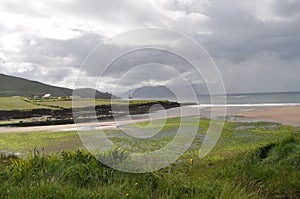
{"x": 80, "y": 103}
{"x": 17, "y": 103}
{"x": 19, "y": 111}
{"x": 251, "y": 160}
{"x": 47, "y": 141}
{"x": 20, "y": 103}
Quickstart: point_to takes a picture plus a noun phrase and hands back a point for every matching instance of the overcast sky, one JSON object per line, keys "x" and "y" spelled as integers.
{"x": 255, "y": 43}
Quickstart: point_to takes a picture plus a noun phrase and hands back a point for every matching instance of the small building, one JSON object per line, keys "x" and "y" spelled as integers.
{"x": 48, "y": 95}
{"x": 75, "y": 97}
{"x": 37, "y": 97}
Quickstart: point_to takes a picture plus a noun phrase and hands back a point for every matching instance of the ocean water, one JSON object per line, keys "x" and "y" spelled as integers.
{"x": 285, "y": 98}
{"x": 243, "y": 99}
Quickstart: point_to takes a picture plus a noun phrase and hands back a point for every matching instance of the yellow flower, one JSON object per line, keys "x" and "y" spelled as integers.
{"x": 191, "y": 161}
{"x": 136, "y": 184}
{"x": 127, "y": 194}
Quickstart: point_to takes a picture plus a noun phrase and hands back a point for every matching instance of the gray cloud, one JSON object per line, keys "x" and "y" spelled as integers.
{"x": 287, "y": 8}
{"x": 240, "y": 33}
{"x": 254, "y": 43}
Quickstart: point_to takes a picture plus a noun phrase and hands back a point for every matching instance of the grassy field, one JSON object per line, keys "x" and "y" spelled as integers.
{"x": 23, "y": 142}
{"x": 10, "y": 103}
{"x": 250, "y": 160}
{"x": 17, "y": 103}
{"x": 83, "y": 102}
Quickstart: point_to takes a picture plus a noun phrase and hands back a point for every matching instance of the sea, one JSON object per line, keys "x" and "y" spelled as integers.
{"x": 252, "y": 99}
{"x": 240, "y": 99}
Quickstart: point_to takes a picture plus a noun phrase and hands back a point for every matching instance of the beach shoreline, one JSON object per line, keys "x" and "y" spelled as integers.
{"x": 287, "y": 115}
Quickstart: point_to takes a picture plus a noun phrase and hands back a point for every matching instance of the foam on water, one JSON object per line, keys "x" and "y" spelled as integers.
{"x": 246, "y": 105}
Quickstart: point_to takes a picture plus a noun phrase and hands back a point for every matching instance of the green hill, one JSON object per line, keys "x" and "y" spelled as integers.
{"x": 16, "y": 86}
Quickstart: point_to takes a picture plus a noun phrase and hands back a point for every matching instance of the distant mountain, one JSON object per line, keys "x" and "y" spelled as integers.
{"x": 150, "y": 92}
{"x": 16, "y": 86}
{"x": 90, "y": 93}
{"x": 163, "y": 92}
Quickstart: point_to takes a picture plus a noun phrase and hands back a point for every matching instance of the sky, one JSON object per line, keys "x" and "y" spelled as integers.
{"x": 254, "y": 43}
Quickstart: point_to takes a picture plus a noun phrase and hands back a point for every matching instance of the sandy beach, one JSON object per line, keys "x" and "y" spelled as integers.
{"x": 289, "y": 115}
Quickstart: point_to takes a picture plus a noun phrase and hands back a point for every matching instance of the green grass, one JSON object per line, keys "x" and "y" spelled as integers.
{"x": 250, "y": 160}
{"x": 15, "y": 86}
{"x": 10, "y": 103}
{"x": 23, "y": 142}
{"x": 17, "y": 103}
{"x": 84, "y": 102}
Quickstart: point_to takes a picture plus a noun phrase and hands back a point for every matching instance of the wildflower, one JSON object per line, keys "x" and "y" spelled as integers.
{"x": 127, "y": 194}
{"x": 136, "y": 184}
{"x": 191, "y": 162}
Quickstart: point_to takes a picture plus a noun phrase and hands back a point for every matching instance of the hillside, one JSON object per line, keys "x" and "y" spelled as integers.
{"x": 16, "y": 86}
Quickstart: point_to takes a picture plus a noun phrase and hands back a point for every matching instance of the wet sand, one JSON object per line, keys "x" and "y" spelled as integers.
{"x": 111, "y": 125}
{"x": 289, "y": 115}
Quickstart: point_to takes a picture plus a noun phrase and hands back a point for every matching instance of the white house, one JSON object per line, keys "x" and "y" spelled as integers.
{"x": 47, "y": 95}
{"x": 75, "y": 97}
